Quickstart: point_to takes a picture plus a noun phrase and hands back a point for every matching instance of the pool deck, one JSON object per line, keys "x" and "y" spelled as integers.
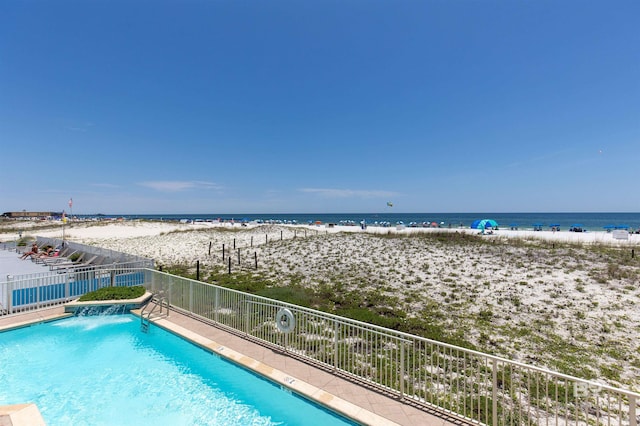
{"x": 357, "y": 401}
{"x": 11, "y": 264}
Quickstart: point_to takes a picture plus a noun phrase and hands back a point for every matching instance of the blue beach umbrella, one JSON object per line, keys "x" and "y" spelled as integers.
{"x": 484, "y": 223}
{"x": 622, "y": 226}
{"x": 609, "y": 227}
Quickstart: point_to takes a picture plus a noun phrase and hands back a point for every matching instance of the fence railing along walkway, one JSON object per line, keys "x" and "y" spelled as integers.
{"x": 30, "y": 292}
{"x": 474, "y": 386}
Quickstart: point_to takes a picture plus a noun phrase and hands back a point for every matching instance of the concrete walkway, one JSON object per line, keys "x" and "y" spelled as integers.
{"x": 11, "y": 264}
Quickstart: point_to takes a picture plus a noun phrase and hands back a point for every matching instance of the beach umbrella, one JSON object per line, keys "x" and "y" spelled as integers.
{"x": 554, "y": 225}
{"x": 609, "y": 227}
{"x": 576, "y": 225}
{"x": 484, "y": 223}
{"x": 622, "y": 226}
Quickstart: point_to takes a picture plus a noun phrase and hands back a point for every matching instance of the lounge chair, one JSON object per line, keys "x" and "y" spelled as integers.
{"x": 66, "y": 267}
{"x": 64, "y": 255}
{"x": 68, "y": 261}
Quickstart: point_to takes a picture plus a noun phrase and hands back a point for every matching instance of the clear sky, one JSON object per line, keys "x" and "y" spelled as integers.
{"x": 253, "y": 106}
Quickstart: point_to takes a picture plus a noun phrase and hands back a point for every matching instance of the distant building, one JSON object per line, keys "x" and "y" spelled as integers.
{"x": 30, "y": 215}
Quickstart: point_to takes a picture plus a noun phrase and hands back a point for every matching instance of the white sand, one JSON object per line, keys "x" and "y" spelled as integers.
{"x": 530, "y": 302}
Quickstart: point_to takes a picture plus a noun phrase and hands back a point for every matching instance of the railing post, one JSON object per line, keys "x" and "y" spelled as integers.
{"x": 494, "y": 392}
{"x": 191, "y": 296}
{"x": 633, "y": 419}
{"x": 246, "y": 317}
{"x": 38, "y": 295}
{"x": 10, "y": 293}
{"x": 67, "y": 289}
{"x": 401, "y": 370}
{"x": 215, "y": 304}
{"x": 335, "y": 345}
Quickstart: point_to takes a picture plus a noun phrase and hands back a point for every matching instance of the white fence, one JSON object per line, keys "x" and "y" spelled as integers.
{"x": 34, "y": 291}
{"x": 471, "y": 385}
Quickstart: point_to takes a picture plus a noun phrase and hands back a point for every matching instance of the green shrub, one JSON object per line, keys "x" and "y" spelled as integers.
{"x": 114, "y": 293}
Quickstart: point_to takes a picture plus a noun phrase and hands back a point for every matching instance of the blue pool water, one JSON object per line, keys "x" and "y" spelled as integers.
{"x": 102, "y": 370}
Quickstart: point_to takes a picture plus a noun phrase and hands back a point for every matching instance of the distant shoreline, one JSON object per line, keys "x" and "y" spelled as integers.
{"x": 563, "y": 221}
{"x": 133, "y": 228}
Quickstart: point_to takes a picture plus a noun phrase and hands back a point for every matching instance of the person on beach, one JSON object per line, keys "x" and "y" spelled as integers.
{"x": 34, "y": 250}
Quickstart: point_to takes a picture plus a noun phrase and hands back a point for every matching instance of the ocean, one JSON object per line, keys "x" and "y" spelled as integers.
{"x": 586, "y": 221}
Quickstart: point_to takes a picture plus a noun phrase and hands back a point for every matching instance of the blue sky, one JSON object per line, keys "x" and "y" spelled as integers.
{"x": 319, "y": 106}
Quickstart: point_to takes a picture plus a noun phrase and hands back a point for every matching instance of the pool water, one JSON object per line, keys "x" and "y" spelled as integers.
{"x": 102, "y": 370}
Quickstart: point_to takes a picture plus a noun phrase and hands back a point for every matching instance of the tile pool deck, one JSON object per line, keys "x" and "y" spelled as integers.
{"x": 367, "y": 406}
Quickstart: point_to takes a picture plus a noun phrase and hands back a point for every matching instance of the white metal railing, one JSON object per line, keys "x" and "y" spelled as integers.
{"x": 30, "y": 292}
{"x": 468, "y": 384}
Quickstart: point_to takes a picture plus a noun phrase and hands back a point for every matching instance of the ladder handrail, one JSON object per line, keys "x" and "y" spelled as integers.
{"x": 162, "y": 301}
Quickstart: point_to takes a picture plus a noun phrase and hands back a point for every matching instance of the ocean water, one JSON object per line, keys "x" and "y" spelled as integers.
{"x": 587, "y": 221}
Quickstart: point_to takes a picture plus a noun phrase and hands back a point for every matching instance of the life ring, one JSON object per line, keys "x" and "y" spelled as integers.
{"x": 285, "y": 321}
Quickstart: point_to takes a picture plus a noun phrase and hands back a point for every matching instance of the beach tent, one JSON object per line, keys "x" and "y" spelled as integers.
{"x": 538, "y": 226}
{"x": 484, "y": 223}
{"x": 622, "y": 226}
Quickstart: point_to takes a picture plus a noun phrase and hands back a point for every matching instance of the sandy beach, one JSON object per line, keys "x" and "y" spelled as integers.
{"x": 559, "y": 300}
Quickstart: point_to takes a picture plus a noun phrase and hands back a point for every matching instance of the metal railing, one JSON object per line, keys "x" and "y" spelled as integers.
{"x": 31, "y": 292}
{"x": 157, "y": 301}
{"x": 468, "y": 384}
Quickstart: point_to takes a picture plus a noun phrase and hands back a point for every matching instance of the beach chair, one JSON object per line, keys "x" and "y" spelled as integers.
{"x": 66, "y": 267}
{"x": 63, "y": 255}
{"x": 68, "y": 262}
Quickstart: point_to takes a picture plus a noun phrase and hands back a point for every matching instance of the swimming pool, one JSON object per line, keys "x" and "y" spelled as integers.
{"x": 102, "y": 370}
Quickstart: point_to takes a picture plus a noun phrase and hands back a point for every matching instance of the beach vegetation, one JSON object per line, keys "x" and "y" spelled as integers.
{"x": 24, "y": 241}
